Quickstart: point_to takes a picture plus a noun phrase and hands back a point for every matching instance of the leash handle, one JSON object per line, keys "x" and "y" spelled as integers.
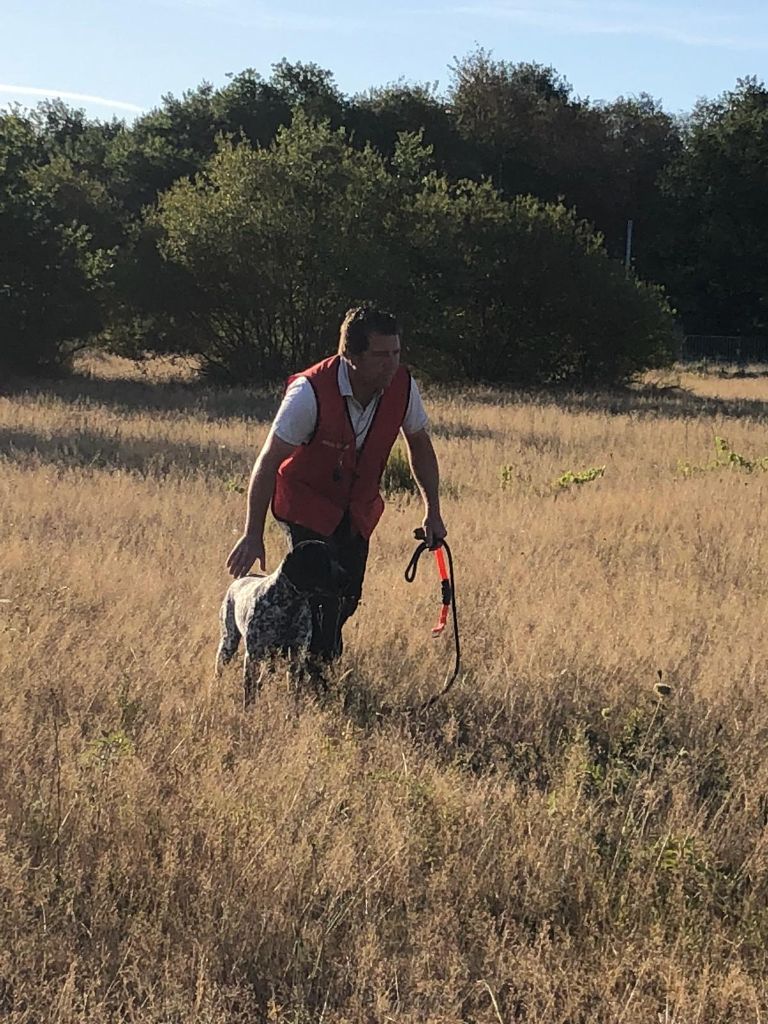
{"x": 442, "y": 568}
{"x": 445, "y": 588}
{"x": 448, "y": 592}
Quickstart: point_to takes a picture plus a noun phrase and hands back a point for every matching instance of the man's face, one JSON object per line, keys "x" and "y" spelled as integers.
{"x": 376, "y": 366}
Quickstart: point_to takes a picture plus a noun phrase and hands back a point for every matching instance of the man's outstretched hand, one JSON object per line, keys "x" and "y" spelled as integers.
{"x": 242, "y": 556}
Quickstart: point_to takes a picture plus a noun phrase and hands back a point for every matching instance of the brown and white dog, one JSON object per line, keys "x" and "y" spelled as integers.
{"x": 274, "y": 613}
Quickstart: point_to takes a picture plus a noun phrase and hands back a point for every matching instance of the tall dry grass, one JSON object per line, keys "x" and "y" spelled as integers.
{"x": 554, "y": 842}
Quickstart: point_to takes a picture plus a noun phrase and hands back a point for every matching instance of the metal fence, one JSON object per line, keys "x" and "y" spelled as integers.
{"x": 724, "y": 349}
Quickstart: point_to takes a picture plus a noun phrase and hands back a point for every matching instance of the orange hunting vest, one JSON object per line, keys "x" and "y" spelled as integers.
{"x": 327, "y": 477}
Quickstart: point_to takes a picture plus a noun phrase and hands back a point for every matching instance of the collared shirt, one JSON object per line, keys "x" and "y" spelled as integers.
{"x": 296, "y": 418}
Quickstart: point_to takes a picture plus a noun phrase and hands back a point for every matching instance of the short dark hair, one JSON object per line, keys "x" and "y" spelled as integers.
{"x": 359, "y": 324}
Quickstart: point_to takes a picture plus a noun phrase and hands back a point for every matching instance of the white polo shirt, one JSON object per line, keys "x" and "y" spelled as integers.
{"x": 297, "y": 416}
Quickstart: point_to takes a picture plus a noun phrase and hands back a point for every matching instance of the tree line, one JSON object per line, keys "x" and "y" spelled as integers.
{"x": 236, "y": 224}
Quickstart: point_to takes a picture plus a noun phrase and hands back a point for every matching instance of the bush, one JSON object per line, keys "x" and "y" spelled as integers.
{"x": 527, "y": 294}
{"x": 275, "y": 243}
{"x": 266, "y": 249}
{"x": 397, "y": 477}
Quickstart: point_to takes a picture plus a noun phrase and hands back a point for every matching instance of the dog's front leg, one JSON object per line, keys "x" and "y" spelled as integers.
{"x": 223, "y": 657}
{"x": 230, "y": 636}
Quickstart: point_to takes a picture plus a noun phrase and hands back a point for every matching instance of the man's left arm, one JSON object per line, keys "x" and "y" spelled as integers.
{"x": 426, "y": 473}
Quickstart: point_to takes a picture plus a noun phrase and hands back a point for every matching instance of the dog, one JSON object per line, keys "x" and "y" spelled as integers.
{"x": 274, "y": 613}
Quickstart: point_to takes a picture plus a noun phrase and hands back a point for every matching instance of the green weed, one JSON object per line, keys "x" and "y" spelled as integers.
{"x": 725, "y": 458}
{"x": 397, "y": 478}
{"x": 585, "y": 476}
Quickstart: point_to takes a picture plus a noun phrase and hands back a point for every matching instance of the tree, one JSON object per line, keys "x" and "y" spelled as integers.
{"x": 175, "y": 140}
{"x": 168, "y": 143}
{"x": 514, "y": 114}
{"x": 526, "y": 293}
{"x": 641, "y": 141}
{"x": 252, "y": 108}
{"x": 309, "y": 88}
{"x": 239, "y": 223}
{"x": 714, "y": 244}
{"x": 274, "y": 243}
{"x": 379, "y": 116}
{"x": 49, "y": 272}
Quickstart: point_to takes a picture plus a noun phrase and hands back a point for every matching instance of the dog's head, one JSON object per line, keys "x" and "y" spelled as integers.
{"x": 312, "y": 569}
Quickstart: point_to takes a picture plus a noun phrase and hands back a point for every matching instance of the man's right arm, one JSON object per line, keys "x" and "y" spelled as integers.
{"x": 250, "y": 547}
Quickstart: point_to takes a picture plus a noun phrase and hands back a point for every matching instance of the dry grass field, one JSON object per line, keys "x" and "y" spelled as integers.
{"x": 577, "y": 833}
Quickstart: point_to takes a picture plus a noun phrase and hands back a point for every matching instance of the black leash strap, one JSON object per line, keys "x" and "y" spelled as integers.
{"x": 448, "y": 594}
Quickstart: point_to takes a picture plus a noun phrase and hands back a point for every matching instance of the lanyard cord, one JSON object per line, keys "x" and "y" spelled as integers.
{"x": 448, "y": 593}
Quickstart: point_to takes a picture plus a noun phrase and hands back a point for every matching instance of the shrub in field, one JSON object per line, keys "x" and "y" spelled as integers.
{"x": 509, "y": 474}
{"x": 584, "y": 476}
{"x": 725, "y": 458}
{"x": 523, "y": 292}
{"x": 397, "y": 478}
{"x": 267, "y": 248}
{"x": 275, "y": 243}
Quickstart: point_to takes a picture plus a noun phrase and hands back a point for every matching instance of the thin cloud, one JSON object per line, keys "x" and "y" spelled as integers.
{"x": 717, "y": 30}
{"x": 78, "y": 97}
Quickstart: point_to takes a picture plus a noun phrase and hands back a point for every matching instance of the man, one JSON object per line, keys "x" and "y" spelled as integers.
{"x": 323, "y": 460}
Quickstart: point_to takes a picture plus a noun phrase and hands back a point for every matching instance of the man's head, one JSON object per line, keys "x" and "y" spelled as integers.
{"x": 370, "y": 342}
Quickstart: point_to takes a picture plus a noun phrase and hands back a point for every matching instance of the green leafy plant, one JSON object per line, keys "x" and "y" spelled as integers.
{"x": 725, "y": 458}
{"x": 585, "y": 476}
{"x": 397, "y": 478}
{"x": 507, "y": 475}
{"x": 107, "y": 749}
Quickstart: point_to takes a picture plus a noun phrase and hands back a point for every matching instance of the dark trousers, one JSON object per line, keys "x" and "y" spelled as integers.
{"x": 329, "y": 613}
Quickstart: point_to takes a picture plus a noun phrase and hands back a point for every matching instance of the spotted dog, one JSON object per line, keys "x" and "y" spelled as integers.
{"x": 274, "y": 613}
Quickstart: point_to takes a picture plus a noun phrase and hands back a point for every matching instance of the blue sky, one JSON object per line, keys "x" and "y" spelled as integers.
{"x": 116, "y": 58}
